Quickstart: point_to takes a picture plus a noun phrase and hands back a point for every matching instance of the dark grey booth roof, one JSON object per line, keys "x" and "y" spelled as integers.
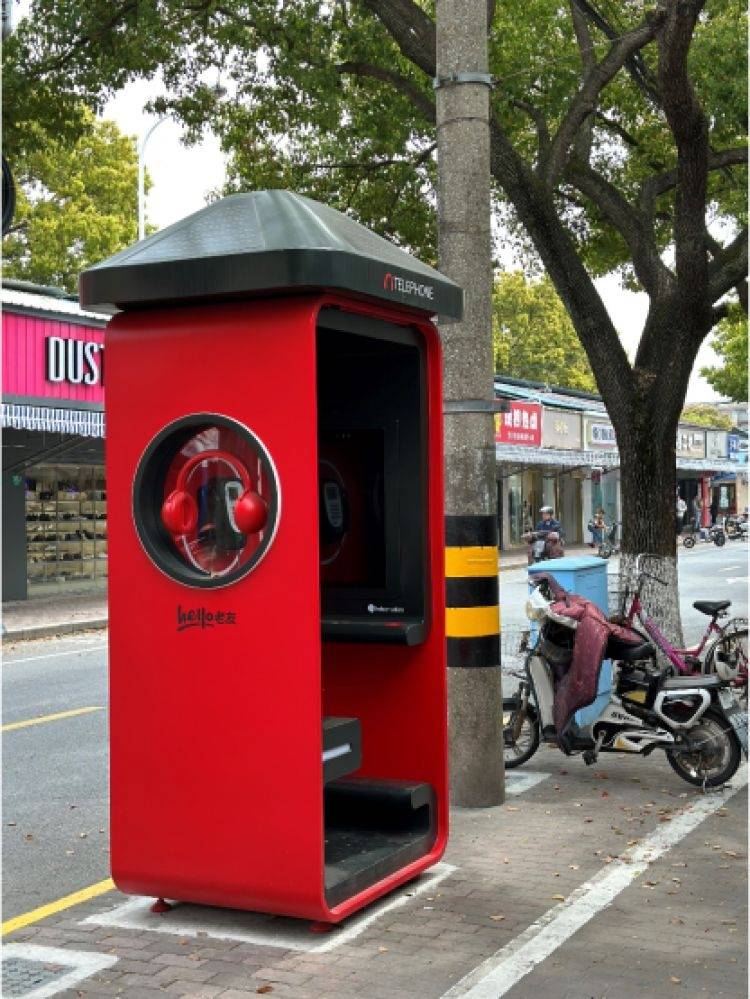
{"x": 265, "y": 241}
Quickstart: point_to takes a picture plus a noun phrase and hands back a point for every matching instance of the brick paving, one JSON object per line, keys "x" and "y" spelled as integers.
{"x": 679, "y": 929}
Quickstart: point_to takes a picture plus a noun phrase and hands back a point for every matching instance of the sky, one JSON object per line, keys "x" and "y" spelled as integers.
{"x": 182, "y": 178}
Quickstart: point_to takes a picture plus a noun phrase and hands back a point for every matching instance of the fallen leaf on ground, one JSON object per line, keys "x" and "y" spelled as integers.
{"x": 675, "y": 980}
{"x": 512, "y": 808}
{"x": 264, "y": 989}
{"x": 497, "y": 919}
{"x": 382, "y": 950}
{"x": 574, "y": 867}
{"x": 676, "y": 920}
{"x": 559, "y": 898}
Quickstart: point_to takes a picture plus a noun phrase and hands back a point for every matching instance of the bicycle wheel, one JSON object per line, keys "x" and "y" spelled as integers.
{"x": 689, "y": 541}
{"x": 520, "y": 737}
{"x": 728, "y": 659}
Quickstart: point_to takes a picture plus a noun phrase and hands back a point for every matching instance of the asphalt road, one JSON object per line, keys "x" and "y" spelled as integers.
{"x": 55, "y": 773}
{"x": 55, "y": 801}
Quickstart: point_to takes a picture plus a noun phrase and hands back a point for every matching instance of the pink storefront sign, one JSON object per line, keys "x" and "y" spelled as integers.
{"x": 51, "y": 359}
{"x": 520, "y": 424}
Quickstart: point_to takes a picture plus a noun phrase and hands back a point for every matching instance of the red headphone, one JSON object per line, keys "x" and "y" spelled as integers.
{"x": 179, "y": 510}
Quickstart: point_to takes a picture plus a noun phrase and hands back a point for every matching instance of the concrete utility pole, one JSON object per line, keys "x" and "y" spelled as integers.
{"x": 465, "y": 255}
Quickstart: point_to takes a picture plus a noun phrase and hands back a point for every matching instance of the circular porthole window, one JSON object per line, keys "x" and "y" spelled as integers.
{"x": 206, "y": 500}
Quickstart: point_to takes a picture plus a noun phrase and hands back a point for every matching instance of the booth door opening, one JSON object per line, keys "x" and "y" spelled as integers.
{"x": 373, "y": 575}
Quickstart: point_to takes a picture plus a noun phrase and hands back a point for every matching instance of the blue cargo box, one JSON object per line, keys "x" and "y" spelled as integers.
{"x": 587, "y": 576}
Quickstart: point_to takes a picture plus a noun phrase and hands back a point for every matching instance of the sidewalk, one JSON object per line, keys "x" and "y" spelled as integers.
{"x": 58, "y": 614}
{"x": 617, "y": 880}
{"x": 518, "y": 559}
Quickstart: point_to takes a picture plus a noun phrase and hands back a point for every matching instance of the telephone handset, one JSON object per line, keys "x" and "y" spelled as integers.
{"x": 334, "y": 511}
{"x": 248, "y": 514}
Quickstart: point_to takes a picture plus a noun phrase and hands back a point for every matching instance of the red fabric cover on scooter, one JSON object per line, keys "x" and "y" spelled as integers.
{"x": 577, "y": 688}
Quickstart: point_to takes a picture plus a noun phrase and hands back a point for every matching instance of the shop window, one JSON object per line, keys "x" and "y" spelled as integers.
{"x": 66, "y": 526}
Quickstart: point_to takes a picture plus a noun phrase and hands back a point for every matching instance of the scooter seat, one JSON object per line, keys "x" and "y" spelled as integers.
{"x": 711, "y": 607}
{"x": 628, "y": 652}
{"x": 691, "y": 682}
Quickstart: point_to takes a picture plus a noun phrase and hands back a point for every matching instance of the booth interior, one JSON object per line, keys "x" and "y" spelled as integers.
{"x": 373, "y": 574}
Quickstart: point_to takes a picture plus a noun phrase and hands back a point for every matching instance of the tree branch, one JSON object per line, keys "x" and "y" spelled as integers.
{"x": 689, "y": 127}
{"x": 634, "y": 64}
{"x": 543, "y": 137}
{"x": 400, "y": 83}
{"x": 662, "y": 182}
{"x": 372, "y": 165}
{"x": 729, "y": 268}
{"x": 536, "y": 210}
{"x": 650, "y": 270}
{"x": 584, "y": 140}
{"x": 131, "y": 6}
{"x": 411, "y": 29}
{"x": 585, "y": 101}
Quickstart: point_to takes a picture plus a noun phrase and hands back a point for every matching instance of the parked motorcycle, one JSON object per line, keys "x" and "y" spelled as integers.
{"x": 735, "y": 528}
{"x": 695, "y": 720}
{"x": 715, "y": 534}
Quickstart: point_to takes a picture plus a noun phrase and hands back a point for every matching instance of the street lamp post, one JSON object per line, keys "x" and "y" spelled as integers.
{"x": 141, "y": 176}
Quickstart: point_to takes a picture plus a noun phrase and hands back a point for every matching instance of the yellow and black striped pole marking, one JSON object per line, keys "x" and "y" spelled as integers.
{"x": 472, "y": 615}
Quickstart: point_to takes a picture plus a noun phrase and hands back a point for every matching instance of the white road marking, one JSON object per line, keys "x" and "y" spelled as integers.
{"x": 82, "y": 965}
{"x": 260, "y": 928}
{"x": 517, "y": 783}
{"x": 736, "y": 579}
{"x": 54, "y": 655}
{"x": 728, "y": 568}
{"x": 500, "y": 972}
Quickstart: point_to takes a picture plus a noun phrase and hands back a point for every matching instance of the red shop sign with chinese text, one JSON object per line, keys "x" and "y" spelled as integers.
{"x": 521, "y": 425}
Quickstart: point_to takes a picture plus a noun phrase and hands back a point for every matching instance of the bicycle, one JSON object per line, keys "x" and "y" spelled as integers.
{"x": 722, "y": 649}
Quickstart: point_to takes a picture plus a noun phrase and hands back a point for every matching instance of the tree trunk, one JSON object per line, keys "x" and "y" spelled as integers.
{"x": 648, "y": 487}
{"x": 465, "y": 254}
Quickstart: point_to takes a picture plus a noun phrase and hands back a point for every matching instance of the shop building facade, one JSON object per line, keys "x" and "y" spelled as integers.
{"x": 54, "y": 489}
{"x": 569, "y": 460}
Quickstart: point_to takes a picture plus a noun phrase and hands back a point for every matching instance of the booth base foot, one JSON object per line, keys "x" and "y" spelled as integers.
{"x": 160, "y": 906}
{"x": 320, "y": 927}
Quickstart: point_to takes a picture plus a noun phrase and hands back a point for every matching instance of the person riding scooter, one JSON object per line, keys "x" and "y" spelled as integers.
{"x": 545, "y": 541}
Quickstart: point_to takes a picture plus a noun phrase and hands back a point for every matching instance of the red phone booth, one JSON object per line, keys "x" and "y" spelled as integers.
{"x": 276, "y": 587}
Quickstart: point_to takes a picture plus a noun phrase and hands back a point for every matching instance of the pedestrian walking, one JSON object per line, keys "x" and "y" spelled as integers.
{"x": 697, "y": 513}
{"x": 680, "y": 513}
{"x": 714, "y": 509}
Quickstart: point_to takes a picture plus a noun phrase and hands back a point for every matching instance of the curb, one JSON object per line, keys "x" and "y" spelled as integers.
{"x": 49, "y": 630}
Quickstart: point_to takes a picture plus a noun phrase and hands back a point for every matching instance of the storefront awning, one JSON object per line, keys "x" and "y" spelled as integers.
{"x": 707, "y": 465}
{"x": 513, "y": 454}
{"x": 84, "y": 422}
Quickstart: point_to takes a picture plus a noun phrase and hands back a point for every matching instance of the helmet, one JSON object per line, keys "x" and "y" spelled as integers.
{"x": 546, "y": 509}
